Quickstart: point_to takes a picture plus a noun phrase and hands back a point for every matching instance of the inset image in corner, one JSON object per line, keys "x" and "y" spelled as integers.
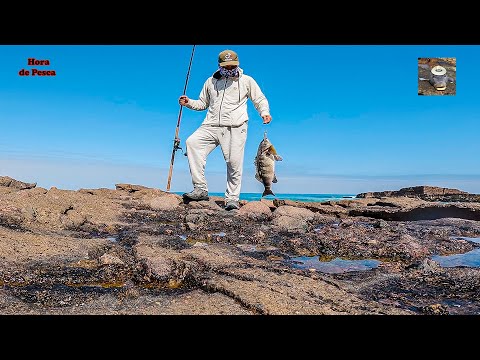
{"x": 437, "y": 76}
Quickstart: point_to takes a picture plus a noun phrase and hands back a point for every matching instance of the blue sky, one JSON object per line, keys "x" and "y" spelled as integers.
{"x": 346, "y": 118}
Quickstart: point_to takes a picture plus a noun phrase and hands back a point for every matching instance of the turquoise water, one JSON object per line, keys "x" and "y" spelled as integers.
{"x": 293, "y": 197}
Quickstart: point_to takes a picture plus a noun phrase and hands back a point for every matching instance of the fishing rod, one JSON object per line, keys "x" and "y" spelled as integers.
{"x": 176, "y": 141}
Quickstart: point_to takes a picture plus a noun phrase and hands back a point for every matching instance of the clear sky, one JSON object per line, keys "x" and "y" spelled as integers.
{"x": 346, "y": 118}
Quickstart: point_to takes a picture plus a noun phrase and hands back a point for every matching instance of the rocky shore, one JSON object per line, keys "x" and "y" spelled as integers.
{"x": 139, "y": 250}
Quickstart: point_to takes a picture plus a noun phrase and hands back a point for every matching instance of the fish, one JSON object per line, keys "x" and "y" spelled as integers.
{"x": 265, "y": 165}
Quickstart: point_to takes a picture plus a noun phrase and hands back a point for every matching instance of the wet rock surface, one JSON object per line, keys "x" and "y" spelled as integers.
{"x": 137, "y": 250}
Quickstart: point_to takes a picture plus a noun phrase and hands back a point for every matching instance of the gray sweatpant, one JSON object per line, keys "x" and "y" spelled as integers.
{"x": 232, "y": 142}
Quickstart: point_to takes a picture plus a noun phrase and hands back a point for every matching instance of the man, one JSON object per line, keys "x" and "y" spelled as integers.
{"x": 225, "y": 96}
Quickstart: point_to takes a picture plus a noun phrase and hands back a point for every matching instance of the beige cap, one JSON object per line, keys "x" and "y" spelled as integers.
{"x": 228, "y": 57}
{"x": 439, "y": 70}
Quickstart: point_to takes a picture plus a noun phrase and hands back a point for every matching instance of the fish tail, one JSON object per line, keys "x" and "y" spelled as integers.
{"x": 267, "y": 192}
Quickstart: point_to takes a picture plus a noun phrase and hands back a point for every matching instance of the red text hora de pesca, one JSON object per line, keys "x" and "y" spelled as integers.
{"x": 37, "y": 72}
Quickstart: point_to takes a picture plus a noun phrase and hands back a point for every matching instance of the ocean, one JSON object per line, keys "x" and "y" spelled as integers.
{"x": 293, "y": 197}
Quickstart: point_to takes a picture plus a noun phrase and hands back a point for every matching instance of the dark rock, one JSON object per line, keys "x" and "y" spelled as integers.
{"x": 434, "y": 309}
{"x": 279, "y": 202}
{"x": 381, "y": 224}
{"x": 430, "y": 212}
{"x": 428, "y": 266}
{"x": 427, "y": 193}
{"x": 9, "y": 182}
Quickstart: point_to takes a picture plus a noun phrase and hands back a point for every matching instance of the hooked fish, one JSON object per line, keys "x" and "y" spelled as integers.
{"x": 265, "y": 165}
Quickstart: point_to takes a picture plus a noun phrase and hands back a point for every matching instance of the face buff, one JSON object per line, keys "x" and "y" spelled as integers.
{"x": 228, "y": 73}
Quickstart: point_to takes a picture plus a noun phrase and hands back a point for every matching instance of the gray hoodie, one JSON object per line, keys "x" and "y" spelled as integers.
{"x": 226, "y": 99}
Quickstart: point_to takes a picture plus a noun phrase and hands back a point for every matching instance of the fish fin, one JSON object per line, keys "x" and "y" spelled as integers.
{"x": 274, "y": 179}
{"x": 277, "y": 157}
{"x": 272, "y": 150}
{"x": 257, "y": 176}
{"x": 268, "y": 192}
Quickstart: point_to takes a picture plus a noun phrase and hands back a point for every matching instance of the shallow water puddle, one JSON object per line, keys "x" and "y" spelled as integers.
{"x": 469, "y": 259}
{"x": 334, "y": 266}
{"x": 201, "y": 241}
{"x": 112, "y": 239}
{"x": 194, "y": 242}
{"x": 365, "y": 224}
{"x": 255, "y": 248}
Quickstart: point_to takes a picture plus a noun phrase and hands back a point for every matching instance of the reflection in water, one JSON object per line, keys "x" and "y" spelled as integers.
{"x": 469, "y": 259}
{"x": 334, "y": 266}
{"x": 256, "y": 248}
{"x": 194, "y": 241}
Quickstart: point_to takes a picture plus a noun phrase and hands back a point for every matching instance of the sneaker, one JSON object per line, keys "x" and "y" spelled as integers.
{"x": 196, "y": 195}
{"x": 232, "y": 204}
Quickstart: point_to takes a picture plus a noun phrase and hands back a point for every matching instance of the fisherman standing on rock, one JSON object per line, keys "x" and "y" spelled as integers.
{"x": 225, "y": 96}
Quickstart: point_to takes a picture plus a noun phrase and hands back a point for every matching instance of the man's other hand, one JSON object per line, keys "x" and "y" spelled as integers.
{"x": 266, "y": 119}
